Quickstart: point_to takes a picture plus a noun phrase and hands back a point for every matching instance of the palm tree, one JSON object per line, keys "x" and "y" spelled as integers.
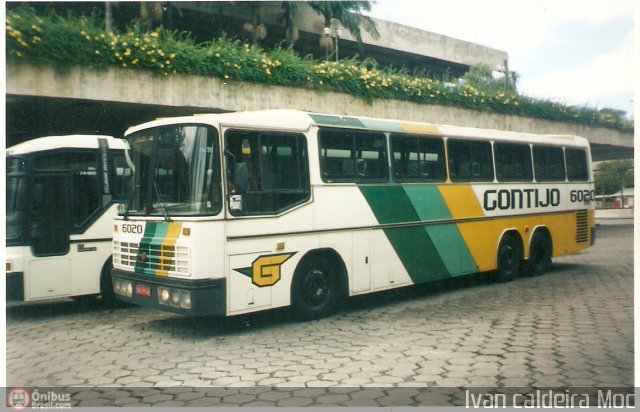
{"x": 289, "y": 9}
{"x": 349, "y": 14}
{"x": 255, "y": 29}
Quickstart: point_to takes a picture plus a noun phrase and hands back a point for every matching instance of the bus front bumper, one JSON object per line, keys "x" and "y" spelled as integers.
{"x": 186, "y": 297}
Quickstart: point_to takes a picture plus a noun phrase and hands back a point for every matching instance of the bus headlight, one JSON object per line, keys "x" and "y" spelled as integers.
{"x": 163, "y": 295}
{"x": 123, "y": 287}
{"x": 174, "y": 297}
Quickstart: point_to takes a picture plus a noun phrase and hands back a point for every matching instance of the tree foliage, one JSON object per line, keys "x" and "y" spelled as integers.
{"x": 613, "y": 175}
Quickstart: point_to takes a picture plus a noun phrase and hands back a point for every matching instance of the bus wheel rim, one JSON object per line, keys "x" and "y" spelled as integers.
{"x": 316, "y": 287}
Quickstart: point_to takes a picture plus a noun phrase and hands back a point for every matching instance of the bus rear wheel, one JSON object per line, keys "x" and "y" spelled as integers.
{"x": 509, "y": 256}
{"x": 315, "y": 289}
{"x": 539, "y": 254}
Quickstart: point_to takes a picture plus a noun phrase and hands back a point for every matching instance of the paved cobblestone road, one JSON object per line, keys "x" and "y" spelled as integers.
{"x": 572, "y": 327}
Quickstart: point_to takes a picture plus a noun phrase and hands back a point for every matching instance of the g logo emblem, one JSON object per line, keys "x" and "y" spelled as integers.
{"x": 265, "y": 270}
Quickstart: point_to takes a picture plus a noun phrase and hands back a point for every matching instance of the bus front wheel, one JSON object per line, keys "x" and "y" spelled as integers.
{"x": 509, "y": 256}
{"x": 315, "y": 289}
{"x": 107, "y": 296}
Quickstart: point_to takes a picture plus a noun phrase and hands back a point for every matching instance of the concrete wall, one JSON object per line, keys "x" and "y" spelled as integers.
{"x": 136, "y": 86}
{"x": 604, "y": 214}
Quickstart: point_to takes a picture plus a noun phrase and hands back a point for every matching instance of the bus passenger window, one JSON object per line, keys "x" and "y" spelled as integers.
{"x": 416, "y": 158}
{"x": 122, "y": 178}
{"x": 85, "y": 187}
{"x": 548, "y": 163}
{"x": 577, "y": 165}
{"x": 470, "y": 161}
{"x": 269, "y": 170}
{"x": 352, "y": 156}
{"x": 513, "y": 162}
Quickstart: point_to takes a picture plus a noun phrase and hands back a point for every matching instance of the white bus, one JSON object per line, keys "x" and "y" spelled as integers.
{"x": 240, "y": 212}
{"x": 62, "y": 194}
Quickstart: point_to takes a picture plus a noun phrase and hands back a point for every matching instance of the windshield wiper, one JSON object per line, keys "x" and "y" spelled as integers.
{"x": 163, "y": 206}
{"x": 125, "y": 215}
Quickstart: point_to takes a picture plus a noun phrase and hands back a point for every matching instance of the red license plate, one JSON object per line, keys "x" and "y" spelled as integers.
{"x": 143, "y": 290}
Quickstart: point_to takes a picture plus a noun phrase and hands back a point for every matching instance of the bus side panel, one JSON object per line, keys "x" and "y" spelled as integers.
{"x": 418, "y": 225}
{"x": 262, "y": 255}
{"x": 89, "y": 252}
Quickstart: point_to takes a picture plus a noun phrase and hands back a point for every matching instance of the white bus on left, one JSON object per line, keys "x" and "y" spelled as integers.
{"x": 62, "y": 196}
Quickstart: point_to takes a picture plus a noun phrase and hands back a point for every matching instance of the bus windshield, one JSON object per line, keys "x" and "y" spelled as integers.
{"x": 176, "y": 172}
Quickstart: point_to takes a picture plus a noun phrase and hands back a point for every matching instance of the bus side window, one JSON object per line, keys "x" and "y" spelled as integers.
{"x": 513, "y": 162}
{"x": 269, "y": 170}
{"x": 470, "y": 161}
{"x": 85, "y": 186}
{"x": 352, "y": 156}
{"x": 577, "y": 165}
{"x": 122, "y": 178}
{"x": 418, "y": 158}
{"x": 548, "y": 163}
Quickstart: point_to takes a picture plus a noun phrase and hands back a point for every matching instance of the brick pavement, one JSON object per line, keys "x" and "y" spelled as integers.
{"x": 572, "y": 327}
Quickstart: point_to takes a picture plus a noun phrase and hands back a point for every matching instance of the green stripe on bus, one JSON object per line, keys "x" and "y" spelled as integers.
{"x": 154, "y": 233}
{"x": 386, "y": 125}
{"x": 427, "y": 253}
{"x": 430, "y": 205}
{"x": 413, "y": 245}
{"x": 327, "y": 120}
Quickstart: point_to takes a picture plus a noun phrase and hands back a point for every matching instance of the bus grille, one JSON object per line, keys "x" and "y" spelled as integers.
{"x": 156, "y": 258}
{"x": 582, "y": 226}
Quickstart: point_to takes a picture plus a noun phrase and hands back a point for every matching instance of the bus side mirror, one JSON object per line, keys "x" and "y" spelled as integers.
{"x": 235, "y": 203}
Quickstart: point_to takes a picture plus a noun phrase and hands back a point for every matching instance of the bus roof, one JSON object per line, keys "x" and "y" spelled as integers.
{"x": 300, "y": 120}
{"x": 68, "y": 141}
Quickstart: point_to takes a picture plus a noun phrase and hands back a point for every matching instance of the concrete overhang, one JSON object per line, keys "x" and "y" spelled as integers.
{"x": 398, "y": 45}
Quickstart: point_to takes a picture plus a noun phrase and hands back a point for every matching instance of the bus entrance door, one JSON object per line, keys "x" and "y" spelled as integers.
{"x": 49, "y": 236}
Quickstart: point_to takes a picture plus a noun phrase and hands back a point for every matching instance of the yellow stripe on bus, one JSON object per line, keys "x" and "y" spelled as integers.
{"x": 417, "y": 128}
{"x": 167, "y": 253}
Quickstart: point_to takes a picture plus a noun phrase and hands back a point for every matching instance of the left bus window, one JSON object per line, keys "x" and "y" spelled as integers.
{"x": 16, "y": 185}
{"x": 85, "y": 188}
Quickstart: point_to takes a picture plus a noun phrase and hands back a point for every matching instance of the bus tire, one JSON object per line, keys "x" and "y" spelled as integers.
{"x": 508, "y": 258}
{"x": 315, "y": 291}
{"x": 107, "y": 296}
{"x": 540, "y": 252}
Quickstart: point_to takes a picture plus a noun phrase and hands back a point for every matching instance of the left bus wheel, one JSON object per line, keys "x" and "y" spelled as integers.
{"x": 315, "y": 289}
{"x": 107, "y": 296}
{"x": 508, "y": 259}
